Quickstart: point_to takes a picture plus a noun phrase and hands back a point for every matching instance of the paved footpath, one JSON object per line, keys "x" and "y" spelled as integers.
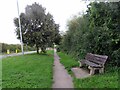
{"x": 61, "y": 77}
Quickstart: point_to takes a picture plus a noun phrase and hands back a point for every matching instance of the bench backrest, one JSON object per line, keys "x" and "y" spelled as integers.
{"x": 98, "y": 59}
{"x": 89, "y": 56}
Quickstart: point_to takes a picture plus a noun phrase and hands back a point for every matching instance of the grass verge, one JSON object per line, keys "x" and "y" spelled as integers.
{"x": 67, "y": 61}
{"x": 28, "y": 71}
{"x": 107, "y": 80}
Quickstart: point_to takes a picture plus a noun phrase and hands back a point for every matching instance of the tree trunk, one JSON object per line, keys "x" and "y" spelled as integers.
{"x": 43, "y": 49}
{"x": 37, "y": 49}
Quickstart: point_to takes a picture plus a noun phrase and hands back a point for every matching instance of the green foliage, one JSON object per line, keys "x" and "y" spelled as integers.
{"x": 98, "y": 32}
{"x": 28, "y": 71}
{"x": 73, "y": 41}
{"x": 67, "y": 61}
{"x": 38, "y": 27}
{"x": 13, "y": 47}
{"x": 58, "y": 48}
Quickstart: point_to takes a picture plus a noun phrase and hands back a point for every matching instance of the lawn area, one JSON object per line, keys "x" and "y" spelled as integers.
{"x": 68, "y": 61}
{"x": 28, "y": 71}
{"x": 107, "y": 80}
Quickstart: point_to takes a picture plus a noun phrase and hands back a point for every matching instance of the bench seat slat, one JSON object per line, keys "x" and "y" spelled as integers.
{"x": 91, "y": 64}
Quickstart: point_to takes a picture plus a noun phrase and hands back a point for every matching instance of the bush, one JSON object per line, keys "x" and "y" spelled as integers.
{"x": 98, "y": 32}
{"x": 13, "y": 47}
{"x": 58, "y": 49}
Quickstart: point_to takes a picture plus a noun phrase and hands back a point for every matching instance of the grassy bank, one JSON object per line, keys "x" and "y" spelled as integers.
{"x": 28, "y": 71}
{"x": 107, "y": 80}
{"x": 67, "y": 61}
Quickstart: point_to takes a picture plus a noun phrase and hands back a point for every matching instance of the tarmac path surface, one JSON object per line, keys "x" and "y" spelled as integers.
{"x": 61, "y": 77}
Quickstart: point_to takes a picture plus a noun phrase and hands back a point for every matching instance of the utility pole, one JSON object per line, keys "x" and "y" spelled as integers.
{"x": 20, "y": 29}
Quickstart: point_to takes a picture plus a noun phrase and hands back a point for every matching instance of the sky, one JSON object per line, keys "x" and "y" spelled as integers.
{"x": 62, "y": 11}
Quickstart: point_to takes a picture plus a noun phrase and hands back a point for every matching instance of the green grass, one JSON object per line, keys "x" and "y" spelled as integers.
{"x": 107, "y": 80}
{"x": 28, "y": 71}
{"x": 67, "y": 61}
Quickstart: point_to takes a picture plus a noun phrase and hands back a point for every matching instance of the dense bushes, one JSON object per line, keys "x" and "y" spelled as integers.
{"x": 98, "y": 32}
{"x": 13, "y": 47}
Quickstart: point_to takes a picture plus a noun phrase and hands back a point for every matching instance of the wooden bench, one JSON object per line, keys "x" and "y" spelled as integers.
{"x": 94, "y": 62}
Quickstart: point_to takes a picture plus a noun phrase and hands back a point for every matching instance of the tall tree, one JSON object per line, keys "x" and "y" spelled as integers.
{"x": 38, "y": 27}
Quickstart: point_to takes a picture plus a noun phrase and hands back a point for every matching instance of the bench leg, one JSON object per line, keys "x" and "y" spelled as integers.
{"x": 101, "y": 70}
{"x": 92, "y": 70}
